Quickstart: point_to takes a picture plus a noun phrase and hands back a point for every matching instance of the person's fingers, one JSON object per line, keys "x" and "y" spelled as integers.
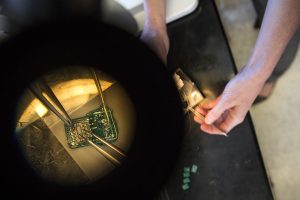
{"x": 210, "y": 129}
{"x": 221, "y": 118}
{"x": 233, "y": 118}
{"x": 220, "y": 106}
{"x": 211, "y": 104}
{"x": 202, "y": 111}
{"x": 198, "y": 120}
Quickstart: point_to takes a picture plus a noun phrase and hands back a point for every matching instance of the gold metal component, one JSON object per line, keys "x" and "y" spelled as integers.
{"x": 100, "y": 92}
{"x": 188, "y": 90}
{"x": 110, "y": 145}
{"x": 99, "y": 149}
{"x": 203, "y": 118}
{"x": 104, "y": 153}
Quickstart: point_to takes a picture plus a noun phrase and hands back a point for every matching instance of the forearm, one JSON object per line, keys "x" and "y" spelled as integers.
{"x": 155, "y": 13}
{"x": 155, "y": 30}
{"x": 281, "y": 20}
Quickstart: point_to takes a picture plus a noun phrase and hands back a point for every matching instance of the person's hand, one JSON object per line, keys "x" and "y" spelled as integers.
{"x": 231, "y": 107}
{"x": 157, "y": 39}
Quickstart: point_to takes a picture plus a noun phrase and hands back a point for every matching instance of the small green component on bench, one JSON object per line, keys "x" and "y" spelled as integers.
{"x": 95, "y": 122}
{"x": 185, "y": 186}
{"x": 194, "y": 168}
{"x": 186, "y": 169}
{"x": 186, "y": 174}
{"x": 186, "y": 180}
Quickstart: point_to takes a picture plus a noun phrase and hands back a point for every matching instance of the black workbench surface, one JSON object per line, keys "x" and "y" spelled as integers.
{"x": 228, "y": 168}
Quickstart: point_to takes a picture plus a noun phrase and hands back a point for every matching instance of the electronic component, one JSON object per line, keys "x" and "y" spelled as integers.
{"x": 95, "y": 122}
{"x": 78, "y": 133}
{"x": 194, "y": 168}
{"x": 101, "y": 125}
{"x": 189, "y": 93}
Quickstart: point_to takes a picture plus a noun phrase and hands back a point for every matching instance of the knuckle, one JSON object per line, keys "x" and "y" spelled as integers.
{"x": 238, "y": 120}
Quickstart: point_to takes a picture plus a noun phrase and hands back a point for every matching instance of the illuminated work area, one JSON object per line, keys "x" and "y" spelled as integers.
{"x": 134, "y": 136}
{"x": 75, "y": 125}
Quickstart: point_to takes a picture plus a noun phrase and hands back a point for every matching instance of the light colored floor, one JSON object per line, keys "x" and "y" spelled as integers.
{"x": 277, "y": 119}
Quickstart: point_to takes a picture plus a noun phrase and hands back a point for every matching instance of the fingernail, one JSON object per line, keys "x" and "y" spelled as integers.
{"x": 225, "y": 134}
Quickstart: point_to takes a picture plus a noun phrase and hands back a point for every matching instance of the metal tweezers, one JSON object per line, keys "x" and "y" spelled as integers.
{"x": 40, "y": 87}
{"x": 223, "y": 132}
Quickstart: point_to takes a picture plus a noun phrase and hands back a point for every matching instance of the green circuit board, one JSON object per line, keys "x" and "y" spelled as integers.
{"x": 96, "y": 122}
{"x": 101, "y": 125}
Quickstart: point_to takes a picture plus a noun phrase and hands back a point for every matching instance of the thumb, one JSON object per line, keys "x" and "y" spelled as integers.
{"x": 216, "y": 112}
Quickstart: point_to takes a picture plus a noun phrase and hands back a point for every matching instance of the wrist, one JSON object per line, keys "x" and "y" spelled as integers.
{"x": 156, "y": 30}
{"x": 153, "y": 23}
{"x": 257, "y": 72}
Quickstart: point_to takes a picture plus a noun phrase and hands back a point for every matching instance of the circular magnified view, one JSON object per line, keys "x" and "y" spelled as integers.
{"x": 75, "y": 125}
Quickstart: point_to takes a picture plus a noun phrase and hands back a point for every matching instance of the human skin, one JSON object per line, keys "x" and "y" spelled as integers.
{"x": 281, "y": 21}
{"x": 155, "y": 31}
